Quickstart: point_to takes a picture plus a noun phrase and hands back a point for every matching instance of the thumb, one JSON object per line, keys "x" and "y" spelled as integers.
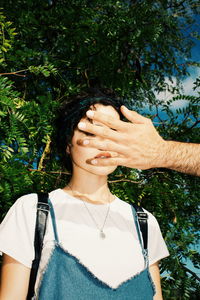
{"x": 132, "y": 116}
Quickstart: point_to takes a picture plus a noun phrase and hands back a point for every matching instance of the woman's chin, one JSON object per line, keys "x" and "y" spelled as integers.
{"x": 102, "y": 170}
{"x": 96, "y": 170}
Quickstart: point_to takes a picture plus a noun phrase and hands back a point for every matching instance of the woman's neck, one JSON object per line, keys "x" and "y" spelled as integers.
{"x": 90, "y": 187}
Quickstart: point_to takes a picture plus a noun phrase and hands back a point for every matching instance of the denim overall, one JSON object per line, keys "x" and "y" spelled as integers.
{"x": 65, "y": 278}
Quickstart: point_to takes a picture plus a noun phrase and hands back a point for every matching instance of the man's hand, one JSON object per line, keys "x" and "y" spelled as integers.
{"x": 137, "y": 142}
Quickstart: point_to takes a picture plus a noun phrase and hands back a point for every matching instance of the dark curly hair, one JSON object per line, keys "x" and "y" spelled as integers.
{"x": 70, "y": 113}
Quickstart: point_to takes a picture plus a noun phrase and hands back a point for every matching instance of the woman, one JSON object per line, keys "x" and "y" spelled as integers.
{"x": 91, "y": 246}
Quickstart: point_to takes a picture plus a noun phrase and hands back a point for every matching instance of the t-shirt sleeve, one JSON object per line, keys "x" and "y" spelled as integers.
{"x": 18, "y": 228}
{"x": 157, "y": 248}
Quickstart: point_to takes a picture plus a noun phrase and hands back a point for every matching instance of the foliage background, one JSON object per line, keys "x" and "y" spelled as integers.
{"x": 53, "y": 49}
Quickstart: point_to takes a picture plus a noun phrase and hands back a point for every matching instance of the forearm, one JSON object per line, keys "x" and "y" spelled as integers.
{"x": 182, "y": 157}
{"x": 155, "y": 275}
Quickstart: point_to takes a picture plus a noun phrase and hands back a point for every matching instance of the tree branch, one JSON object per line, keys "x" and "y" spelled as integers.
{"x": 15, "y": 73}
{"x": 44, "y": 154}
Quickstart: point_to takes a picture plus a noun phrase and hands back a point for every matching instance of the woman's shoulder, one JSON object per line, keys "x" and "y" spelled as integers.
{"x": 28, "y": 201}
{"x": 25, "y": 202}
{"x": 128, "y": 207}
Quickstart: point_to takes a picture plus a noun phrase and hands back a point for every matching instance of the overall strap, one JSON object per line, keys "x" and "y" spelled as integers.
{"x": 40, "y": 228}
{"x": 141, "y": 218}
{"x": 53, "y": 219}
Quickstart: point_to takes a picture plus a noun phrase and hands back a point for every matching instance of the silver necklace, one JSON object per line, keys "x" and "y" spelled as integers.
{"x": 101, "y": 230}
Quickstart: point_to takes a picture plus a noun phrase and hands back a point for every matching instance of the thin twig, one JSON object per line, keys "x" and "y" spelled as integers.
{"x": 195, "y": 124}
{"x": 191, "y": 272}
{"x": 124, "y": 180}
{"x": 68, "y": 173}
{"x": 50, "y": 172}
{"x": 15, "y": 73}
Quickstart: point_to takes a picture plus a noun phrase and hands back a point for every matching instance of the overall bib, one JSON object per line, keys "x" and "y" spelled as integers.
{"x": 65, "y": 278}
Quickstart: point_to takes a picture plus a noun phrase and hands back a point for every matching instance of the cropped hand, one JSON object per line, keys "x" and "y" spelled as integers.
{"x": 137, "y": 142}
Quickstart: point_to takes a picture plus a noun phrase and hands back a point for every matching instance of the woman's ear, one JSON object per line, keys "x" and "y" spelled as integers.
{"x": 68, "y": 149}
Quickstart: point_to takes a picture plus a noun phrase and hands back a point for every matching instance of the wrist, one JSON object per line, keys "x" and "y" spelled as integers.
{"x": 163, "y": 159}
{"x": 168, "y": 154}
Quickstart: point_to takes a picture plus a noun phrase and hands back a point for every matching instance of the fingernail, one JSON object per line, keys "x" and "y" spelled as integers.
{"x": 94, "y": 162}
{"x": 81, "y": 125}
{"x": 90, "y": 113}
{"x": 85, "y": 142}
{"x": 125, "y": 108}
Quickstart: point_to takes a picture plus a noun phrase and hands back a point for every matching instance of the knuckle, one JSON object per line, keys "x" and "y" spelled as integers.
{"x": 125, "y": 138}
{"x": 108, "y": 121}
{"x": 104, "y": 131}
{"x": 148, "y": 121}
{"x": 92, "y": 142}
{"x": 105, "y": 144}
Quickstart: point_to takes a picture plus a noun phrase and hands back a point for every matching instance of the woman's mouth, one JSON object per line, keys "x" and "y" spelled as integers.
{"x": 103, "y": 155}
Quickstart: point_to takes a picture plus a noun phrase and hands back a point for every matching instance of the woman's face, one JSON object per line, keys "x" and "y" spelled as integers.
{"x": 80, "y": 154}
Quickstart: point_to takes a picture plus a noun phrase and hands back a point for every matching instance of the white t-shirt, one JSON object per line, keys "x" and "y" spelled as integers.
{"x": 112, "y": 260}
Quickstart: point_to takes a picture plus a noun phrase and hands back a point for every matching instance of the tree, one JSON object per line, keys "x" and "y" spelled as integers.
{"x": 53, "y": 49}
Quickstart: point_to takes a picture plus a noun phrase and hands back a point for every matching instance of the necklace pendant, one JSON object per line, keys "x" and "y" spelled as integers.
{"x": 102, "y": 234}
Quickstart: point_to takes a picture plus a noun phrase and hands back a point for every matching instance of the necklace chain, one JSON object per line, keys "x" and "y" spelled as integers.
{"x": 102, "y": 233}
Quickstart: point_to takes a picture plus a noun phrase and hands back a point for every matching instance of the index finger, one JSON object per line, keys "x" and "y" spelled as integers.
{"x": 98, "y": 130}
{"x": 107, "y": 120}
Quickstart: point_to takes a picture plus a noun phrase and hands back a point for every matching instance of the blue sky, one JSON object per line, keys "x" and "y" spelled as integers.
{"x": 187, "y": 82}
